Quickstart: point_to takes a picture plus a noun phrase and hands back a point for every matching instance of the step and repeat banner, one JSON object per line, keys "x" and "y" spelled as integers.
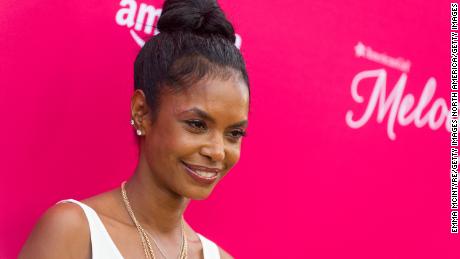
{"x": 348, "y": 149}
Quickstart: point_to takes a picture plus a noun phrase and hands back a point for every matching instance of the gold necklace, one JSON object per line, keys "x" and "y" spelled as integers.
{"x": 161, "y": 250}
{"x": 148, "y": 250}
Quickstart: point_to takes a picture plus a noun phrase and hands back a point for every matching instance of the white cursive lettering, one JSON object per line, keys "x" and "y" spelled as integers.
{"x": 397, "y": 105}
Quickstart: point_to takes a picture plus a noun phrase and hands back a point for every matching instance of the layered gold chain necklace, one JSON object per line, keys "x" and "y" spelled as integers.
{"x": 148, "y": 250}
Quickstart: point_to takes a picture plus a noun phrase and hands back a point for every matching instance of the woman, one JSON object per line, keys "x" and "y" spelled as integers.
{"x": 189, "y": 110}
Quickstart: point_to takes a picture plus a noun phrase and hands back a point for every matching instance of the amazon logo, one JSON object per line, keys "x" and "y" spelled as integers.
{"x": 141, "y": 19}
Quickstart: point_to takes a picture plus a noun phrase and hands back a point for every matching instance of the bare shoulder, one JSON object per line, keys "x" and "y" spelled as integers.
{"x": 61, "y": 232}
{"x": 224, "y": 254}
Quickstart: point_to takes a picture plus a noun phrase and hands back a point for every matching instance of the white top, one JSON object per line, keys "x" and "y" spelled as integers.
{"x": 103, "y": 246}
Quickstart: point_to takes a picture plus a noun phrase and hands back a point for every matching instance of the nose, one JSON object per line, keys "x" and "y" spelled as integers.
{"x": 214, "y": 149}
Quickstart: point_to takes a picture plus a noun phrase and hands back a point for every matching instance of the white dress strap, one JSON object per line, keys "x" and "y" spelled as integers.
{"x": 102, "y": 244}
{"x": 210, "y": 249}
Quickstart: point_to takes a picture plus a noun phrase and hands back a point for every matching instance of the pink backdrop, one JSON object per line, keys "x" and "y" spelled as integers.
{"x": 317, "y": 179}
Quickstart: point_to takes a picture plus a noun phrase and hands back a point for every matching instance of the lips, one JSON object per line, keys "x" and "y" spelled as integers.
{"x": 201, "y": 174}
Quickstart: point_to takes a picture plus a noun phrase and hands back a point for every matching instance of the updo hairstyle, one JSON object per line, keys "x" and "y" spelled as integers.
{"x": 195, "y": 42}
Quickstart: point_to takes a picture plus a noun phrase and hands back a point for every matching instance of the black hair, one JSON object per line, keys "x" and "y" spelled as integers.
{"x": 195, "y": 41}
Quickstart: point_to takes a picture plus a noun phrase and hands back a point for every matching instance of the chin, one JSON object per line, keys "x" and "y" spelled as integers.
{"x": 198, "y": 192}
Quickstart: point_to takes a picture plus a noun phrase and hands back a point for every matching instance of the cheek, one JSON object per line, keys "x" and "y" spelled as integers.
{"x": 164, "y": 144}
{"x": 178, "y": 143}
{"x": 233, "y": 155}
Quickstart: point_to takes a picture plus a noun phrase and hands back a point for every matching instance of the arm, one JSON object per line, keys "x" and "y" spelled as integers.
{"x": 62, "y": 232}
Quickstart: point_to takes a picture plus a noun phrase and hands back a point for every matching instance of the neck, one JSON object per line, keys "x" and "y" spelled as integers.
{"x": 155, "y": 207}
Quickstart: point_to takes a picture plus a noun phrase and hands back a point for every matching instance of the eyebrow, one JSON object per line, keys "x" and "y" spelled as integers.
{"x": 208, "y": 117}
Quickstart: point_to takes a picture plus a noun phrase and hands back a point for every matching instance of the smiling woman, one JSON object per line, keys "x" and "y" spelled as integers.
{"x": 190, "y": 112}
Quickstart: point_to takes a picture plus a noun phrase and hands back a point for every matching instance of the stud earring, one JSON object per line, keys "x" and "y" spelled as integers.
{"x": 138, "y": 131}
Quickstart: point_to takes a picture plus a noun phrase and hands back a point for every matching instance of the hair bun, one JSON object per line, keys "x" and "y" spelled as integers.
{"x": 203, "y": 17}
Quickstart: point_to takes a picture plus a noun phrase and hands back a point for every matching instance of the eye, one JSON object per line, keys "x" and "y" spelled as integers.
{"x": 196, "y": 124}
{"x": 237, "y": 134}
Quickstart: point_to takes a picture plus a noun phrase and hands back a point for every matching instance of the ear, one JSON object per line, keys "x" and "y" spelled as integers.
{"x": 139, "y": 110}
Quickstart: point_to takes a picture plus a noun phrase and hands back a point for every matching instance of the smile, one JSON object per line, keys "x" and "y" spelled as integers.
{"x": 201, "y": 174}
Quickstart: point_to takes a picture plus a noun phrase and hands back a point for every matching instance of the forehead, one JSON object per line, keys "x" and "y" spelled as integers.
{"x": 220, "y": 98}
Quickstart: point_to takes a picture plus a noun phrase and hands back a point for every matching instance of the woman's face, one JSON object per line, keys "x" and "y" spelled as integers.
{"x": 201, "y": 126}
